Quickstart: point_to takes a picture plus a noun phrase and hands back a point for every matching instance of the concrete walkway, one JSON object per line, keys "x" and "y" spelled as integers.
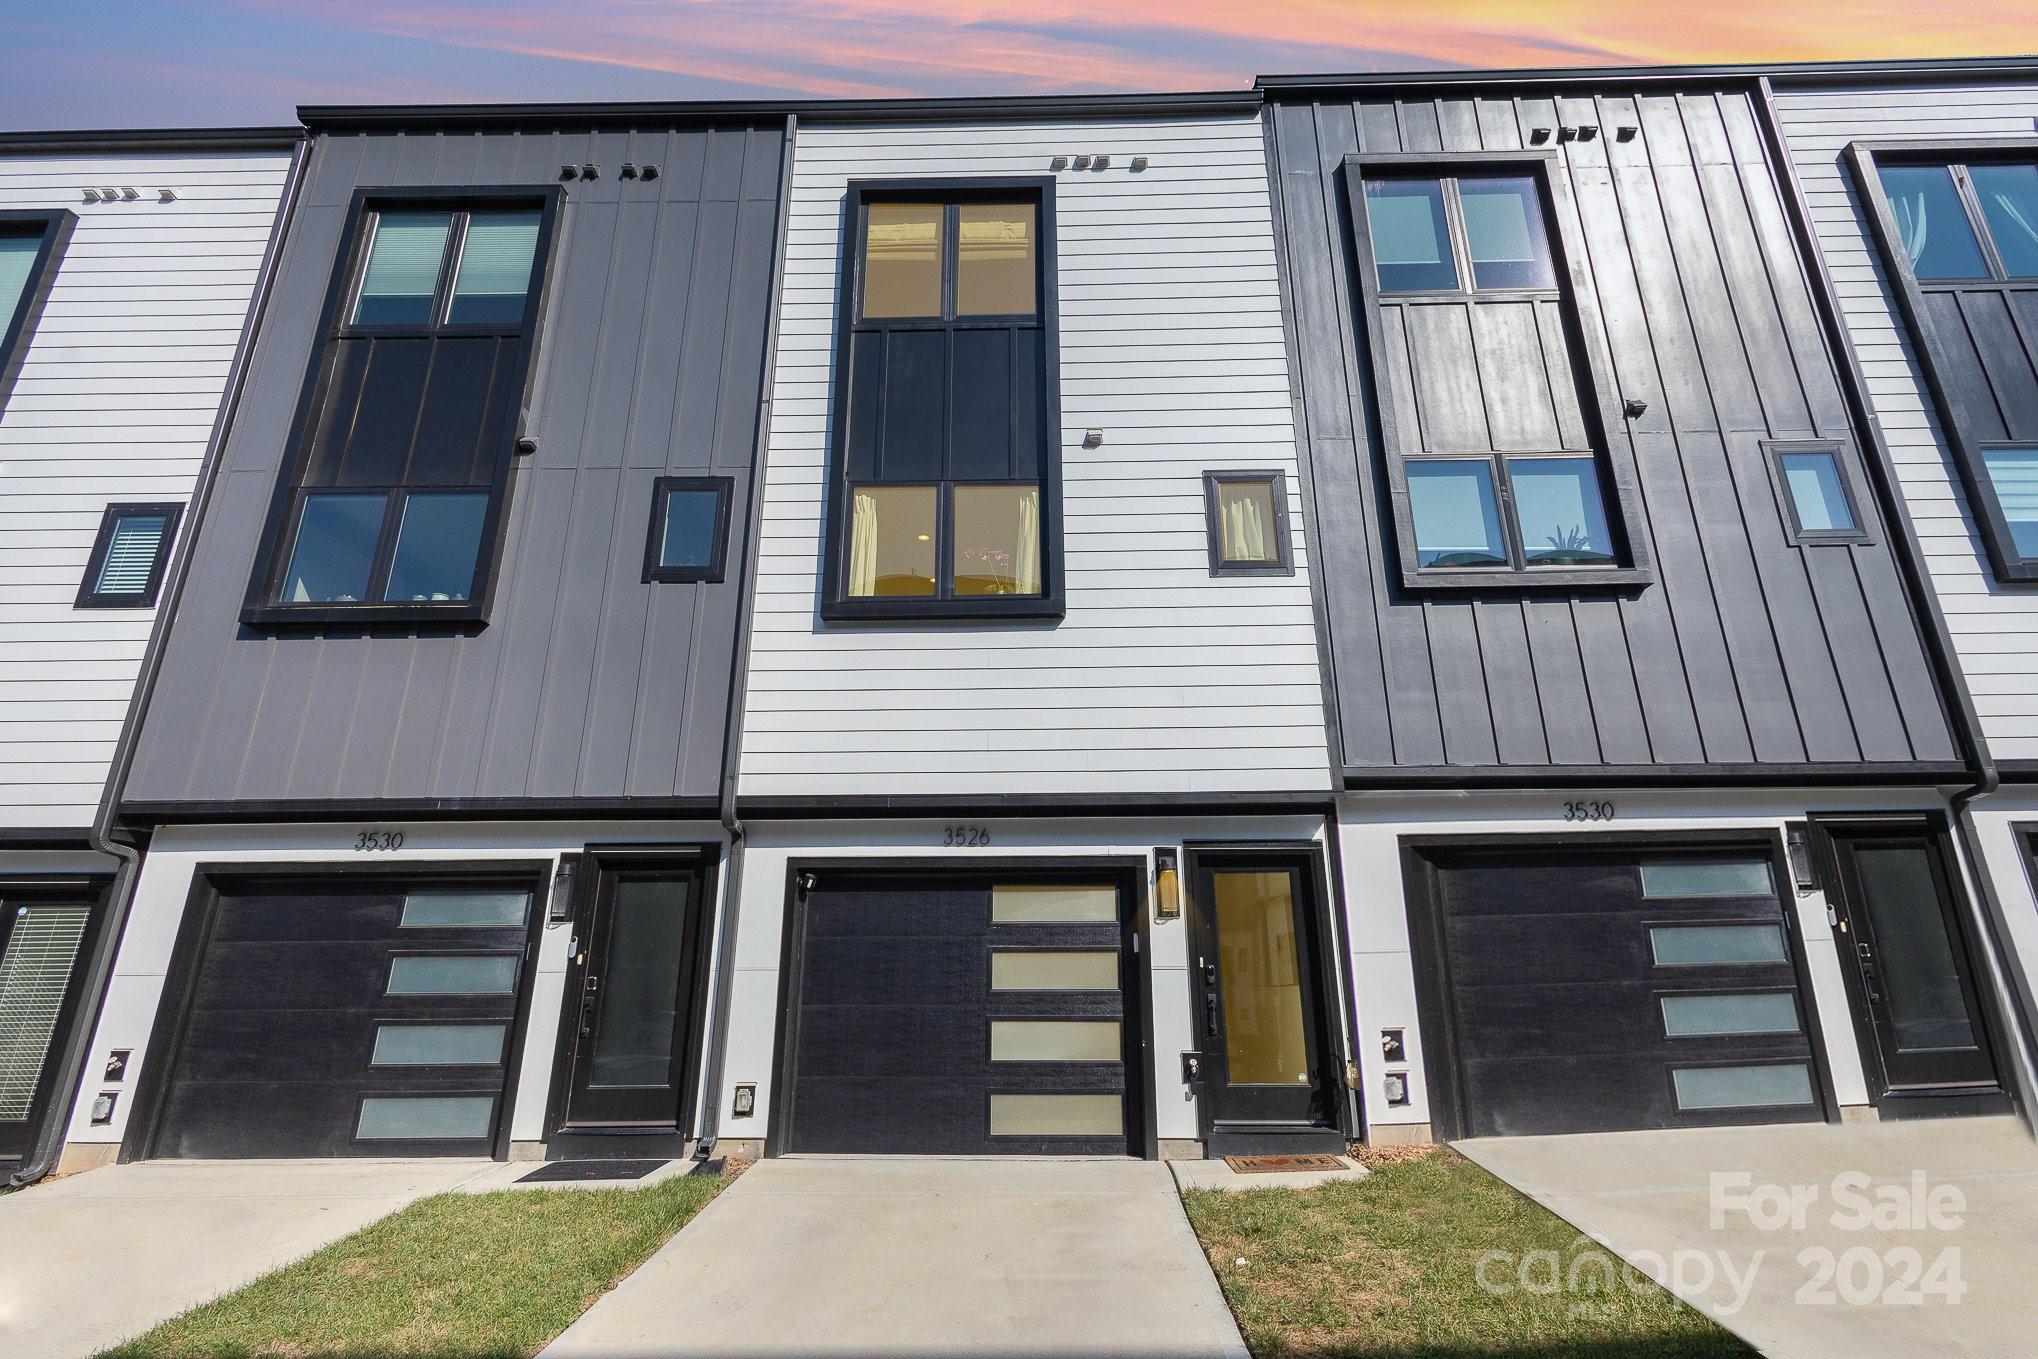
{"x": 1732, "y": 1245}
{"x": 91, "y": 1260}
{"x": 900, "y": 1257}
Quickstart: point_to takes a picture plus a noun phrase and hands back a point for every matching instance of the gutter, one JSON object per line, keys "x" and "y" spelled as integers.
{"x": 104, "y": 836}
{"x": 2020, "y": 1005}
{"x": 717, "y": 1034}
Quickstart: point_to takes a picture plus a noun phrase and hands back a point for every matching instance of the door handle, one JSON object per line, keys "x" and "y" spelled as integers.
{"x": 1210, "y": 1015}
{"x": 587, "y": 999}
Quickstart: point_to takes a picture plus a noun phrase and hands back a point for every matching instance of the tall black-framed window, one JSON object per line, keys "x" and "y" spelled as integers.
{"x": 125, "y": 569}
{"x": 944, "y": 479}
{"x": 1957, "y": 226}
{"x": 1468, "y": 287}
{"x": 392, "y": 505}
{"x": 689, "y": 539}
{"x": 31, "y": 245}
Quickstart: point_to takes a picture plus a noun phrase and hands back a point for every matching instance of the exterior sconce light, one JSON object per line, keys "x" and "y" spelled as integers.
{"x": 1093, "y": 438}
{"x": 745, "y": 1103}
{"x": 1634, "y": 408}
{"x": 1167, "y": 885}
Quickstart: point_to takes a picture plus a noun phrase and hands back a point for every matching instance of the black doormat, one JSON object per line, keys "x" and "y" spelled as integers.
{"x": 559, "y": 1171}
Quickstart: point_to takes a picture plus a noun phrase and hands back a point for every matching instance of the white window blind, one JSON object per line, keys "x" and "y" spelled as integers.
{"x": 35, "y": 971}
{"x": 131, "y": 555}
{"x": 495, "y": 260}
{"x": 404, "y": 259}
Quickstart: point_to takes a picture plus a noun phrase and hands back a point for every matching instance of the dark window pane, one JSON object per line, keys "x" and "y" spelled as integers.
{"x": 995, "y": 248}
{"x": 915, "y": 411}
{"x": 437, "y": 547}
{"x": 891, "y": 542}
{"x": 1931, "y": 222}
{"x": 1816, "y": 492}
{"x": 446, "y": 448}
{"x": 1457, "y": 518}
{"x": 1504, "y": 233}
{"x": 339, "y": 406}
{"x": 131, "y": 555}
{"x": 980, "y": 406}
{"x": 495, "y": 269}
{"x": 2009, "y": 200}
{"x": 1246, "y": 523}
{"x": 640, "y": 1003}
{"x": 2013, "y": 474}
{"x": 1920, "y": 979}
{"x": 902, "y": 259}
{"x": 1561, "y": 511}
{"x": 1411, "y": 244}
{"x": 334, "y": 549}
{"x": 691, "y": 517}
{"x": 378, "y": 446}
{"x": 997, "y": 540}
{"x": 403, "y": 269}
{"x": 17, "y": 260}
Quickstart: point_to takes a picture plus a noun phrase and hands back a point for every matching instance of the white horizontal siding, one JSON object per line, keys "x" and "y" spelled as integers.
{"x": 1995, "y": 630}
{"x": 1160, "y": 679}
{"x": 116, "y": 397}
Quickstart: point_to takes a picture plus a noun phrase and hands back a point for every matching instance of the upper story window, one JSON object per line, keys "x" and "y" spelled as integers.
{"x": 393, "y": 502}
{"x": 944, "y": 470}
{"x": 1958, "y": 227}
{"x": 1247, "y": 514}
{"x": 1492, "y": 406}
{"x": 125, "y": 568}
{"x": 31, "y": 243}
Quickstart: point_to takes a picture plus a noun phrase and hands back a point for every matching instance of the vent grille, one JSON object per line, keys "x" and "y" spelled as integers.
{"x": 131, "y": 554}
{"x": 35, "y": 972}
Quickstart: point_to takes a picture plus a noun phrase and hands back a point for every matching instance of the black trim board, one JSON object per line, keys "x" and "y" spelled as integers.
{"x": 383, "y": 811}
{"x": 1644, "y": 776}
{"x": 151, "y": 140}
{"x": 1807, "y": 73}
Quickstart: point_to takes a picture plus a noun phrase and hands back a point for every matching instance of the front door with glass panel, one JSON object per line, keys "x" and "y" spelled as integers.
{"x": 1259, "y": 1017}
{"x": 1908, "y": 965}
{"x": 636, "y": 973}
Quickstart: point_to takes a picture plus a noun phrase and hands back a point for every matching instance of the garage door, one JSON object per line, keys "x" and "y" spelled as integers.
{"x": 1596, "y": 991}
{"x": 348, "y": 1020}
{"x": 950, "y": 1015}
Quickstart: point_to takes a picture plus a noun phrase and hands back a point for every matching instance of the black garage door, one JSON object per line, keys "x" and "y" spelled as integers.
{"x": 347, "y": 1019}
{"x": 938, "y": 1014}
{"x": 1590, "y": 991}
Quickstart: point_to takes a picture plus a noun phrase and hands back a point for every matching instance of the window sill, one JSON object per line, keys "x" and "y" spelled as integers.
{"x": 1570, "y": 579}
{"x": 285, "y": 616}
{"x": 940, "y": 610}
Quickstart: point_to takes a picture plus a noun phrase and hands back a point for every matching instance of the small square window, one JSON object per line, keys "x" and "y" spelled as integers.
{"x": 1456, "y": 514}
{"x": 1504, "y": 232}
{"x": 2013, "y": 475}
{"x": 1411, "y": 242}
{"x": 1818, "y": 501}
{"x": 1248, "y": 523}
{"x": 689, "y": 529}
{"x": 125, "y": 570}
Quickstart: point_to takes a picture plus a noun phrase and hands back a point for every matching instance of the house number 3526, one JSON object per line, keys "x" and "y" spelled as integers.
{"x": 1588, "y": 811}
{"x": 965, "y": 837}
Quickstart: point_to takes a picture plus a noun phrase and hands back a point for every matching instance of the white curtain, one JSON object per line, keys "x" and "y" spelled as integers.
{"x": 1910, "y": 222}
{"x": 863, "y": 547}
{"x": 2009, "y": 207}
{"x": 1026, "y": 561}
{"x": 1245, "y": 530}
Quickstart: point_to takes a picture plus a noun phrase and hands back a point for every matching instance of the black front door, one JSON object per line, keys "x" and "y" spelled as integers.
{"x": 1264, "y": 1059}
{"x": 1907, "y": 962}
{"x": 638, "y": 976}
{"x": 43, "y": 937}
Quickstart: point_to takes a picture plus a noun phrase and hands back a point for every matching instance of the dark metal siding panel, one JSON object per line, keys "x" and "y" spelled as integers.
{"x": 586, "y": 682}
{"x": 1745, "y": 649}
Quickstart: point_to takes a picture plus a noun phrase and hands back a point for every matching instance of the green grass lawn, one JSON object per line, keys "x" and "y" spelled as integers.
{"x": 1389, "y": 1266}
{"x": 456, "y": 1276}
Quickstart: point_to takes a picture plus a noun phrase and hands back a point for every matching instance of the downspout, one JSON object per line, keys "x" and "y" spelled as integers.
{"x": 739, "y": 679}
{"x": 105, "y": 836}
{"x": 1925, "y": 602}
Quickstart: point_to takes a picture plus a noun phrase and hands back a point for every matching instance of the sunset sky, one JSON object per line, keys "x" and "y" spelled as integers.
{"x": 107, "y": 63}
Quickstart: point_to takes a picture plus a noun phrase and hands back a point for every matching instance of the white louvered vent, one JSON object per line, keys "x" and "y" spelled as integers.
{"x": 131, "y": 555}
{"x": 35, "y": 972}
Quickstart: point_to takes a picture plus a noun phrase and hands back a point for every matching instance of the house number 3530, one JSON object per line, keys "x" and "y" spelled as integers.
{"x": 1588, "y": 811}
{"x": 965, "y": 837}
{"x": 371, "y": 841}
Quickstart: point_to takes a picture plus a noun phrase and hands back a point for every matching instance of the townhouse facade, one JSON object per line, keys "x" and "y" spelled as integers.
{"x": 1372, "y": 608}
{"x": 129, "y": 268}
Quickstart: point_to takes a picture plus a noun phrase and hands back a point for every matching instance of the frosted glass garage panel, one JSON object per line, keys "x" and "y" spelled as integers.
{"x": 1055, "y": 1040}
{"x": 438, "y": 1044}
{"x": 1706, "y": 878}
{"x": 440, "y": 974}
{"x": 1053, "y": 904}
{"x": 1783, "y": 1085}
{"x": 1053, "y": 971}
{"x": 1703, "y": 1016}
{"x": 1716, "y": 945}
{"x": 469, "y": 909}
{"x": 1057, "y": 1116}
{"x": 424, "y": 1118}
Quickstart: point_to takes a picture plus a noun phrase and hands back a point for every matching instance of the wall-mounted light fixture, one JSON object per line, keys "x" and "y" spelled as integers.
{"x": 1797, "y": 847}
{"x": 1634, "y": 408}
{"x": 1167, "y": 884}
{"x": 1093, "y": 438}
{"x": 559, "y": 909}
{"x": 745, "y": 1103}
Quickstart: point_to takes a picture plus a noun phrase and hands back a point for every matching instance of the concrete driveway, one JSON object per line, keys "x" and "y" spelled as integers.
{"x": 899, "y": 1257}
{"x": 91, "y": 1260}
{"x": 1756, "y": 1228}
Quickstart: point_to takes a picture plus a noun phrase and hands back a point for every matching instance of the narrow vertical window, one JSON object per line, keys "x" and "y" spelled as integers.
{"x": 1248, "y": 523}
{"x": 125, "y": 570}
{"x": 689, "y": 529}
{"x": 1818, "y": 502}
{"x": 31, "y": 245}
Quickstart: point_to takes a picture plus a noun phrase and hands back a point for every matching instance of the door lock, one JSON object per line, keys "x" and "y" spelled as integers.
{"x": 1192, "y": 1067}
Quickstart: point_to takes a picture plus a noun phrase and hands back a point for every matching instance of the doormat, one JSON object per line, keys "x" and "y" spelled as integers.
{"x": 559, "y": 1171}
{"x": 1261, "y": 1165}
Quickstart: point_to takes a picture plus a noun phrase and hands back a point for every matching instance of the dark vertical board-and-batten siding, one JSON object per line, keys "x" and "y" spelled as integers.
{"x": 586, "y": 682}
{"x": 1744, "y": 649}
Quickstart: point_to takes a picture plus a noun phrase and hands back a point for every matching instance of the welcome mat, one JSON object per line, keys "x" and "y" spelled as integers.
{"x": 559, "y": 1171}
{"x": 1262, "y": 1165}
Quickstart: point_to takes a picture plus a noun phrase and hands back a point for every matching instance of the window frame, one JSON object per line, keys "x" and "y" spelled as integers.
{"x": 1599, "y": 406}
{"x": 1284, "y": 558}
{"x": 1866, "y": 159}
{"x": 54, "y": 226}
{"x": 1794, "y": 531}
{"x": 263, "y": 606}
{"x": 836, "y": 604}
{"x": 711, "y": 574}
{"x": 89, "y": 598}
